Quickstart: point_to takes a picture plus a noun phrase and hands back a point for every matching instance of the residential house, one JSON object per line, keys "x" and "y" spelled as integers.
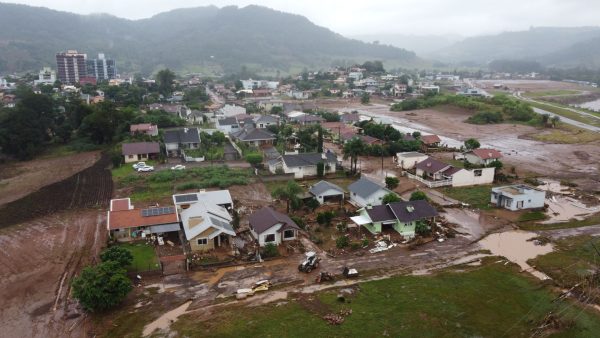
{"x": 408, "y": 160}
{"x": 207, "y": 226}
{"x": 327, "y": 192}
{"x": 517, "y": 197}
{"x": 272, "y": 227}
{"x": 482, "y": 156}
{"x": 356, "y": 76}
{"x": 229, "y": 111}
{"x": 126, "y": 223}
{"x": 399, "y": 89}
{"x": 144, "y": 128}
{"x": 254, "y": 136}
{"x": 399, "y": 216}
{"x": 181, "y": 139}
{"x": 245, "y": 120}
{"x": 182, "y": 111}
{"x": 307, "y": 119}
{"x": 367, "y": 192}
{"x": 431, "y": 141}
{"x": 263, "y": 121}
{"x": 228, "y": 125}
{"x": 221, "y": 198}
{"x": 350, "y": 118}
{"x": 304, "y": 164}
{"x": 140, "y": 151}
{"x": 435, "y": 173}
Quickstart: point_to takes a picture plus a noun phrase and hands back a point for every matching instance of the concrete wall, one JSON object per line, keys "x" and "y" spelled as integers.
{"x": 466, "y": 177}
{"x": 409, "y": 162}
{"x": 532, "y": 199}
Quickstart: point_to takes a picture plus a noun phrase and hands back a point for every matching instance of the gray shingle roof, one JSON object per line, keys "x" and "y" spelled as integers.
{"x": 140, "y": 148}
{"x": 413, "y": 210}
{"x": 266, "y": 217}
{"x": 323, "y": 186}
{"x": 364, "y": 187}
{"x": 381, "y": 213}
{"x": 308, "y": 159}
{"x": 184, "y": 135}
{"x": 431, "y": 165}
{"x": 266, "y": 119}
{"x": 228, "y": 121}
{"x": 253, "y": 134}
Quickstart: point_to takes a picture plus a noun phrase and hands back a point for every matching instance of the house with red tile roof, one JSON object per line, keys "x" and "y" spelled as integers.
{"x": 435, "y": 173}
{"x": 431, "y": 140}
{"x": 126, "y": 223}
{"x": 482, "y": 156}
{"x": 144, "y": 128}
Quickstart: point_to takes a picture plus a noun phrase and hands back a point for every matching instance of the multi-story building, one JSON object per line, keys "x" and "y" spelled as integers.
{"x": 102, "y": 68}
{"x": 46, "y": 76}
{"x": 71, "y": 66}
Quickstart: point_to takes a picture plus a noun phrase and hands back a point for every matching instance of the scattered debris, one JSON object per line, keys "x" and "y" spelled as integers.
{"x": 337, "y": 319}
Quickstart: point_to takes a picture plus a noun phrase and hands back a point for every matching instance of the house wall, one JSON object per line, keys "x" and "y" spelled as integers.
{"x": 300, "y": 172}
{"x": 330, "y": 192}
{"x": 228, "y": 128}
{"x": 409, "y": 162}
{"x": 407, "y": 230}
{"x": 271, "y": 230}
{"x": 531, "y": 200}
{"x": 471, "y": 158}
{"x": 133, "y": 158}
{"x": 374, "y": 199}
{"x": 466, "y": 177}
{"x": 210, "y": 242}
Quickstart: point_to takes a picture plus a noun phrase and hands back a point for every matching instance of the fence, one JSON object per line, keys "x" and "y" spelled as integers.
{"x": 430, "y": 184}
{"x": 277, "y": 178}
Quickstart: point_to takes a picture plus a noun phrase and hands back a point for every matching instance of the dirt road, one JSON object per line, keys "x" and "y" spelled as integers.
{"x": 38, "y": 260}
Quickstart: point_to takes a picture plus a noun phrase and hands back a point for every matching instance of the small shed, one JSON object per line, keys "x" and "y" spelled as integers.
{"x": 327, "y": 192}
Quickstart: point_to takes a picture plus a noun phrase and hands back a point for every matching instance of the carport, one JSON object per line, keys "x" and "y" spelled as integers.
{"x": 326, "y": 192}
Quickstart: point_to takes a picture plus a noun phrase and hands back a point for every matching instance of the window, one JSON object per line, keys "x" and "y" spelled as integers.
{"x": 270, "y": 238}
{"x": 130, "y": 156}
{"x": 202, "y": 241}
{"x": 478, "y": 172}
{"x": 288, "y": 234}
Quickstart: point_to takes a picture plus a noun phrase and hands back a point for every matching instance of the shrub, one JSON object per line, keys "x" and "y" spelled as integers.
{"x": 101, "y": 287}
{"x": 390, "y": 198}
{"x": 117, "y": 254}
{"x": 312, "y": 204}
{"x": 391, "y": 182}
{"x": 417, "y": 196}
{"x": 270, "y": 250}
{"x": 299, "y": 221}
{"x": 325, "y": 218}
{"x": 486, "y": 118}
{"x": 254, "y": 159}
{"x": 355, "y": 245}
{"x": 342, "y": 242}
{"x": 365, "y": 242}
{"x": 421, "y": 228}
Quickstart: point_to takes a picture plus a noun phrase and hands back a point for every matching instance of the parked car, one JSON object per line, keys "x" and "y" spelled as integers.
{"x": 138, "y": 165}
{"x": 145, "y": 168}
{"x": 178, "y": 167}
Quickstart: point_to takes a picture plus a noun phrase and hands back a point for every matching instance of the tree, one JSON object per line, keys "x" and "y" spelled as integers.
{"x": 418, "y": 196}
{"x": 312, "y": 204}
{"x": 276, "y": 110}
{"x": 342, "y": 242}
{"x": 352, "y": 149}
{"x": 320, "y": 169}
{"x": 496, "y": 164}
{"x": 117, "y": 254}
{"x": 365, "y": 98}
{"x": 421, "y": 228}
{"x": 471, "y": 144}
{"x": 416, "y": 134}
{"x": 288, "y": 193}
{"x": 390, "y": 198}
{"x": 554, "y": 120}
{"x": 391, "y": 182}
{"x": 101, "y": 287}
{"x": 270, "y": 250}
{"x": 165, "y": 79}
{"x": 320, "y": 140}
{"x": 325, "y": 217}
{"x": 254, "y": 159}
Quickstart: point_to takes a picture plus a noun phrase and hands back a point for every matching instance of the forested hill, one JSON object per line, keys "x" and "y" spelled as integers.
{"x": 183, "y": 39}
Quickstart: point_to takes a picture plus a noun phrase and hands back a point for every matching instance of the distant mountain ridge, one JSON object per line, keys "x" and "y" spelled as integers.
{"x": 551, "y": 46}
{"x": 184, "y": 39}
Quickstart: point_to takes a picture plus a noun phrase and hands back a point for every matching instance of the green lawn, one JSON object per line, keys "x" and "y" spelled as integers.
{"x": 572, "y": 259}
{"x": 477, "y": 196}
{"x": 342, "y": 182}
{"x": 489, "y": 301}
{"x": 126, "y": 169}
{"x": 593, "y": 220}
{"x": 566, "y": 113}
{"x": 144, "y": 256}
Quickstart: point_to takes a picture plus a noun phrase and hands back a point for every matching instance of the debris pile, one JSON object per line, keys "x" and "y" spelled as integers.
{"x": 337, "y": 319}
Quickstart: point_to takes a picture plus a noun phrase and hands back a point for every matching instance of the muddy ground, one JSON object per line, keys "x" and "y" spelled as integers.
{"x": 38, "y": 259}
{"x": 18, "y": 179}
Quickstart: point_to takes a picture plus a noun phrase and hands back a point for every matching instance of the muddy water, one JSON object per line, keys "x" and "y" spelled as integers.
{"x": 163, "y": 322}
{"x": 592, "y": 105}
{"x": 514, "y": 245}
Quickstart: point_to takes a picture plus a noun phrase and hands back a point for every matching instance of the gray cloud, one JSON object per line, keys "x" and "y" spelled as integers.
{"x": 350, "y": 17}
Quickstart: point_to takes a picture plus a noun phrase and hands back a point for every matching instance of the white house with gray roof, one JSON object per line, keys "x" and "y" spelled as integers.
{"x": 184, "y": 138}
{"x": 517, "y": 197}
{"x": 325, "y": 191}
{"x": 207, "y": 226}
{"x": 304, "y": 164}
{"x": 367, "y": 192}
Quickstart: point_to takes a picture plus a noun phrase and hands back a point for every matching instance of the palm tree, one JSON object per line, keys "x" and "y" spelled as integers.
{"x": 353, "y": 149}
{"x": 288, "y": 193}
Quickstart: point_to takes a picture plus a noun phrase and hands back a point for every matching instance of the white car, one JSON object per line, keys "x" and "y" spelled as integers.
{"x": 138, "y": 165}
{"x": 178, "y": 167}
{"x": 145, "y": 168}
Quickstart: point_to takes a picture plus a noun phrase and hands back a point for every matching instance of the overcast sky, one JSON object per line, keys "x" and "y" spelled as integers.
{"x": 351, "y": 17}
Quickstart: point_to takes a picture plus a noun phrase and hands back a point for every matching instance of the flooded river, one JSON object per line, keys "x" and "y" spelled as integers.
{"x": 516, "y": 247}
{"x": 592, "y": 105}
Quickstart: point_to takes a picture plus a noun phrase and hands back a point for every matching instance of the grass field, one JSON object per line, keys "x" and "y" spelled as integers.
{"x": 566, "y": 113}
{"x": 593, "y": 220}
{"x": 477, "y": 196}
{"x": 572, "y": 259}
{"x": 144, "y": 256}
{"x": 551, "y": 93}
{"x": 488, "y": 301}
{"x": 565, "y": 133}
{"x": 342, "y": 182}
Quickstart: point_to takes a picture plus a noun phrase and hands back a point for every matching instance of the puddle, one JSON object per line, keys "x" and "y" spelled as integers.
{"x": 562, "y": 209}
{"x": 213, "y": 278}
{"x": 163, "y": 322}
{"x": 514, "y": 246}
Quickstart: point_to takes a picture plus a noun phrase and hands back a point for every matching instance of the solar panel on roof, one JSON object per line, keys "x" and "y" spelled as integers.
{"x": 186, "y": 198}
{"x": 158, "y": 211}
